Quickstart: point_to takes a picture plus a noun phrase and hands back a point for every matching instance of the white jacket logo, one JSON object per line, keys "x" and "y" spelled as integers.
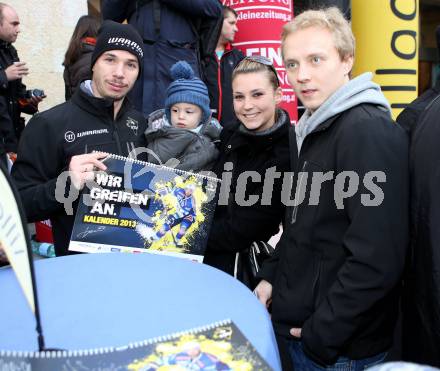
{"x": 69, "y": 136}
{"x": 133, "y": 125}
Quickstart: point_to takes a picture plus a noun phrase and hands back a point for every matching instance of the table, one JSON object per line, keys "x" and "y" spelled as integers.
{"x": 105, "y": 300}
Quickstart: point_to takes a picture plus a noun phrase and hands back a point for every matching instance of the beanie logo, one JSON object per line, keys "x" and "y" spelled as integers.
{"x": 122, "y": 41}
{"x": 133, "y": 125}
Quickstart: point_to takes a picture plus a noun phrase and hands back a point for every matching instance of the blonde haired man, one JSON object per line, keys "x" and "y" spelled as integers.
{"x": 334, "y": 280}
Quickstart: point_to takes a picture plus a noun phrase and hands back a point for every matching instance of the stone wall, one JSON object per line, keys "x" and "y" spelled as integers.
{"x": 46, "y": 28}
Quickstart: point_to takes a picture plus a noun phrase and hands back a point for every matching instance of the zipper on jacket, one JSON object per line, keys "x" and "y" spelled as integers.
{"x": 220, "y": 91}
{"x": 116, "y": 138}
{"x": 297, "y": 193}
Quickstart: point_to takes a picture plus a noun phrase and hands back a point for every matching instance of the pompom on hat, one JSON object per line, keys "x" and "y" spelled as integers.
{"x": 187, "y": 88}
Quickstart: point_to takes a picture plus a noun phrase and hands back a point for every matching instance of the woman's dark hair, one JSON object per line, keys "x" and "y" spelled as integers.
{"x": 87, "y": 26}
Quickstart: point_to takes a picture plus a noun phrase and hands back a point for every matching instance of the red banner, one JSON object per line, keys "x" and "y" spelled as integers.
{"x": 260, "y": 23}
{"x": 43, "y": 231}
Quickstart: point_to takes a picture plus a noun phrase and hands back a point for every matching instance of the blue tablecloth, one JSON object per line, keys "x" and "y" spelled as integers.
{"x": 103, "y": 300}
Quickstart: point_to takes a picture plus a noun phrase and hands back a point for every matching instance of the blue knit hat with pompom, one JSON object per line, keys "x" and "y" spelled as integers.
{"x": 186, "y": 88}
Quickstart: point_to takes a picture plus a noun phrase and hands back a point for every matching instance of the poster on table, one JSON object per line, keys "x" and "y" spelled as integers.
{"x": 218, "y": 346}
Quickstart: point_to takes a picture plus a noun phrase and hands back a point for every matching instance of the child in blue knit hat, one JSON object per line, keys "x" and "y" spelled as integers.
{"x": 184, "y": 129}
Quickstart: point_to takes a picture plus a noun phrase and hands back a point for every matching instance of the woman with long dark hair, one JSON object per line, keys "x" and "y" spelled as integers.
{"x": 79, "y": 53}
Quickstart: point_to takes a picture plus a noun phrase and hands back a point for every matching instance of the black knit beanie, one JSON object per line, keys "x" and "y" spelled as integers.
{"x": 117, "y": 36}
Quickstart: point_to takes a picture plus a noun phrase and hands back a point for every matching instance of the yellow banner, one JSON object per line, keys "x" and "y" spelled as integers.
{"x": 387, "y": 43}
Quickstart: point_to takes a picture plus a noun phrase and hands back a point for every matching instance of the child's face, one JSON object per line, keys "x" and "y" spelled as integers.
{"x": 185, "y": 115}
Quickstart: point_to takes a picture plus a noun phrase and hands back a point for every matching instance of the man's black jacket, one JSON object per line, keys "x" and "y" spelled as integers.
{"x": 12, "y": 91}
{"x": 410, "y": 115}
{"x": 235, "y": 226}
{"x": 337, "y": 269}
{"x": 421, "y": 299}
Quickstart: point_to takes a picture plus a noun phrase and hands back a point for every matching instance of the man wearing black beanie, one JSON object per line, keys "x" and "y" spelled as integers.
{"x": 116, "y": 36}
{"x": 99, "y": 117}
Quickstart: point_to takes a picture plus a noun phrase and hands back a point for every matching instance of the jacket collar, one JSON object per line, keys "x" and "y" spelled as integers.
{"x": 98, "y": 106}
{"x": 5, "y": 45}
{"x": 228, "y": 48}
{"x": 321, "y": 127}
{"x": 241, "y": 138}
{"x": 327, "y": 123}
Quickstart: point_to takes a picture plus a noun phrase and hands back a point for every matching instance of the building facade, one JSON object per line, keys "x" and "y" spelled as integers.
{"x": 46, "y": 27}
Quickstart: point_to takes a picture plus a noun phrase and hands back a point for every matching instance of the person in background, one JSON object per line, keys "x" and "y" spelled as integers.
{"x": 98, "y": 117}
{"x": 79, "y": 54}
{"x": 256, "y": 142}
{"x": 218, "y": 69}
{"x": 410, "y": 115}
{"x": 335, "y": 279}
{"x": 168, "y": 29}
{"x": 184, "y": 130}
{"x": 421, "y": 291}
{"x": 18, "y": 100}
{"x": 7, "y": 137}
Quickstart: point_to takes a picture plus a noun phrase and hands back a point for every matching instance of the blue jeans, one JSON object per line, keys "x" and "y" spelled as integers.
{"x": 302, "y": 363}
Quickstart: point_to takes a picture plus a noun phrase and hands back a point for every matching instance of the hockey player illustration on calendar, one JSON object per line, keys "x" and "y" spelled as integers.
{"x": 162, "y": 211}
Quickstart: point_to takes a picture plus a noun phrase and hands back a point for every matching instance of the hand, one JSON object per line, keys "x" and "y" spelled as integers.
{"x": 12, "y": 156}
{"x": 82, "y": 168}
{"x": 264, "y": 293}
{"x": 16, "y": 71}
{"x": 296, "y": 332}
{"x": 32, "y": 102}
{"x": 35, "y": 100}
